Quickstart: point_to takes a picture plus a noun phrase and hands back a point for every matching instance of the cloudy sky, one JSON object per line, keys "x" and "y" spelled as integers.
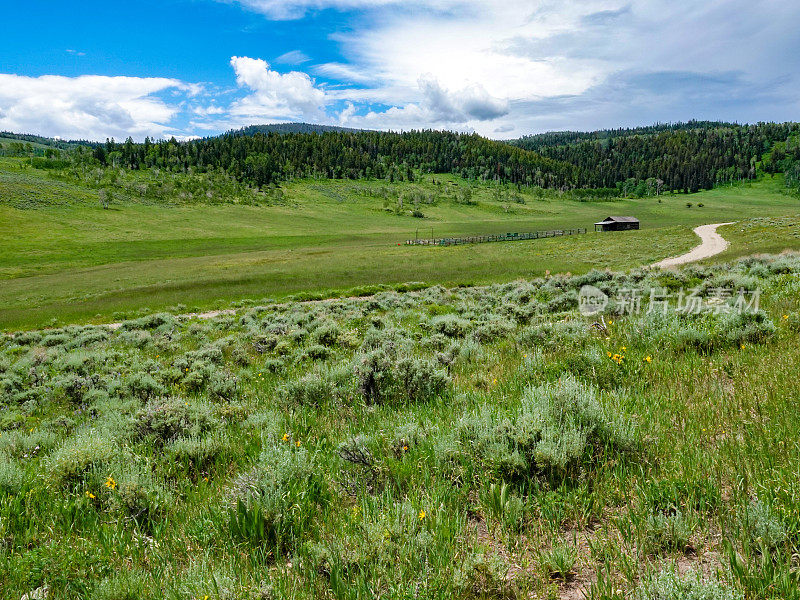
{"x": 91, "y": 70}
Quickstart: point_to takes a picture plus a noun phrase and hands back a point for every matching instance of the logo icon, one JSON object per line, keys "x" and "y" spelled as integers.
{"x": 591, "y": 300}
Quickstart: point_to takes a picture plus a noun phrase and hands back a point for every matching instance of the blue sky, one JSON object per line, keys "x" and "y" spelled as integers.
{"x": 89, "y": 69}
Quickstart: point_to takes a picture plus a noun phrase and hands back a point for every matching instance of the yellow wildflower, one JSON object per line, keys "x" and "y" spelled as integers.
{"x": 110, "y": 483}
{"x": 285, "y": 437}
{"x": 90, "y": 495}
{"x": 421, "y": 515}
{"x": 297, "y": 443}
{"x": 649, "y": 359}
{"x": 405, "y": 448}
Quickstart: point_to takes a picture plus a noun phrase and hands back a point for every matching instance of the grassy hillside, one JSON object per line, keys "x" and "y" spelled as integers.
{"x": 65, "y": 257}
{"x": 465, "y": 443}
{"x": 35, "y": 143}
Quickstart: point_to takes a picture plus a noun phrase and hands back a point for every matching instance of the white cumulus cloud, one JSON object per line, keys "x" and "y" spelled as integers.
{"x": 275, "y": 95}
{"x": 438, "y": 107}
{"x": 89, "y": 106}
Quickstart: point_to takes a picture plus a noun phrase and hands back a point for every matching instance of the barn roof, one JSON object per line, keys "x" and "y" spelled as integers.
{"x": 619, "y": 220}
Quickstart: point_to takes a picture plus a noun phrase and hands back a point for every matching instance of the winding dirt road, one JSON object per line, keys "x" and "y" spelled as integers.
{"x": 712, "y": 243}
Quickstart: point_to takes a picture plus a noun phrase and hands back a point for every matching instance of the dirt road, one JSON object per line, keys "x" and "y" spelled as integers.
{"x": 712, "y": 243}
{"x": 205, "y": 315}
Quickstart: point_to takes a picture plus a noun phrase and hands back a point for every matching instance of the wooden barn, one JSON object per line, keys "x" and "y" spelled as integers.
{"x": 617, "y": 224}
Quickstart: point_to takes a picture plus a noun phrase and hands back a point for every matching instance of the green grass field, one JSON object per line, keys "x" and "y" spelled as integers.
{"x": 63, "y": 257}
{"x": 467, "y": 444}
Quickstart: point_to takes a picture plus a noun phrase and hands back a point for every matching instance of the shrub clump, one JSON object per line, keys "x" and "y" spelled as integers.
{"x": 166, "y": 419}
{"x": 383, "y": 377}
{"x": 667, "y": 532}
{"x": 11, "y": 477}
{"x": 223, "y": 386}
{"x": 156, "y": 321}
{"x": 493, "y": 330}
{"x": 197, "y": 451}
{"x": 136, "y": 338}
{"x": 669, "y": 586}
{"x": 420, "y": 379}
{"x": 88, "y": 449}
{"x": 562, "y": 333}
{"x": 277, "y": 503}
{"x": 763, "y": 527}
{"x": 746, "y": 327}
{"x": 319, "y": 386}
{"x": 77, "y": 387}
{"x": 138, "y": 497}
{"x": 560, "y": 429}
{"x": 449, "y": 325}
{"x": 143, "y": 386}
{"x": 325, "y": 335}
{"x": 316, "y": 352}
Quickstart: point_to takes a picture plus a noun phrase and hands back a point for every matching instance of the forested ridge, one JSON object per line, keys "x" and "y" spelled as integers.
{"x": 285, "y": 128}
{"x": 264, "y": 159}
{"x": 538, "y": 141}
{"x": 683, "y": 157}
{"x": 24, "y": 138}
{"x": 645, "y": 161}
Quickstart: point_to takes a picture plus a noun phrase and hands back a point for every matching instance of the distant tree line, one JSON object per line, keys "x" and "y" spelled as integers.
{"x": 285, "y": 128}
{"x": 44, "y": 141}
{"x": 538, "y": 141}
{"x": 684, "y": 157}
{"x": 262, "y": 159}
{"x": 640, "y": 162}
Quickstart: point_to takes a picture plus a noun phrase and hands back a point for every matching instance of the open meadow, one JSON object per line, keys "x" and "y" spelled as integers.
{"x": 65, "y": 259}
{"x": 475, "y": 442}
{"x": 383, "y": 420}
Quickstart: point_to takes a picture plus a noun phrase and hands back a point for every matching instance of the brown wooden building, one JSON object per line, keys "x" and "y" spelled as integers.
{"x": 617, "y": 224}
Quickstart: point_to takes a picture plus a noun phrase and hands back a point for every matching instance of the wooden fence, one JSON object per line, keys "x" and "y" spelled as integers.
{"x": 500, "y": 237}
